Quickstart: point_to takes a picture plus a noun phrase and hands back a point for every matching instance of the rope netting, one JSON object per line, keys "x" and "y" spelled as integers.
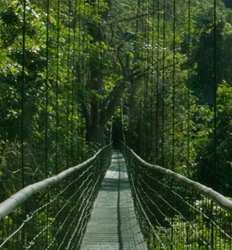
{"x": 60, "y": 221}
{"x": 175, "y": 212}
{"x": 52, "y": 213}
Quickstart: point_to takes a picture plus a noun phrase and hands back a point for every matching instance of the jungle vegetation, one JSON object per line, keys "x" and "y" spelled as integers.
{"x": 93, "y": 65}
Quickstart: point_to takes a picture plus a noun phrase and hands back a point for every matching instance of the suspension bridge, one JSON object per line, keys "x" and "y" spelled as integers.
{"x": 115, "y": 199}
{"x": 114, "y": 206}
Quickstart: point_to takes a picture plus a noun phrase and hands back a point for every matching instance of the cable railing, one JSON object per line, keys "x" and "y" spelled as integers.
{"x": 176, "y": 212}
{"x": 53, "y": 213}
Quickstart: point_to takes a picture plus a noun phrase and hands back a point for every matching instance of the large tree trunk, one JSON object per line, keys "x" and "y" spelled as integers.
{"x": 95, "y": 84}
{"x": 97, "y": 113}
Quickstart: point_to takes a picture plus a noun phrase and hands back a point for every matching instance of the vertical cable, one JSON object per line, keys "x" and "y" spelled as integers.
{"x": 46, "y": 112}
{"x": 173, "y": 103}
{"x": 82, "y": 37}
{"x": 23, "y": 83}
{"x": 141, "y": 103}
{"x": 68, "y": 134}
{"x": 57, "y": 85}
{"x": 188, "y": 89}
{"x": 157, "y": 83}
{"x": 99, "y": 77}
{"x": 152, "y": 118}
{"x": 215, "y": 81}
{"x": 189, "y": 41}
{"x": 85, "y": 72}
{"x": 174, "y": 85}
{"x": 163, "y": 84}
{"x": 46, "y": 88}
{"x": 79, "y": 78}
{"x": 73, "y": 80}
{"x": 145, "y": 82}
{"x": 214, "y": 108}
{"x": 139, "y": 139}
{"x": 23, "y": 93}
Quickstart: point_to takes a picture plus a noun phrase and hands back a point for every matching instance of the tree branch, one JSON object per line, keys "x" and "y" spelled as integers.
{"x": 113, "y": 100}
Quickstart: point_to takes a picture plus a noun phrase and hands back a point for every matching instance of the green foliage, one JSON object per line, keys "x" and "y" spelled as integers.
{"x": 111, "y": 62}
{"x": 217, "y": 172}
{"x": 199, "y": 232}
{"x": 66, "y": 121}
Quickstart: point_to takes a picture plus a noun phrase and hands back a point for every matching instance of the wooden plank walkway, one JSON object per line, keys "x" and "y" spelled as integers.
{"x": 113, "y": 224}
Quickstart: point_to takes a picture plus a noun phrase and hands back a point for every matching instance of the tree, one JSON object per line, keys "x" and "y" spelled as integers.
{"x": 215, "y": 159}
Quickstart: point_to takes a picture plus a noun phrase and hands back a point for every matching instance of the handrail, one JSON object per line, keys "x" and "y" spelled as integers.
{"x": 209, "y": 192}
{"x": 10, "y": 204}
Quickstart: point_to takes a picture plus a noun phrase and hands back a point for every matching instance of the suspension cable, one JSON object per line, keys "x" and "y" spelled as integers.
{"x": 74, "y": 79}
{"x": 85, "y": 184}
{"x": 19, "y": 198}
{"x": 157, "y": 85}
{"x": 84, "y": 172}
{"x": 22, "y": 104}
{"x": 188, "y": 88}
{"x": 145, "y": 30}
{"x": 215, "y": 82}
{"x": 46, "y": 89}
{"x": 185, "y": 202}
{"x": 146, "y": 175}
{"x": 46, "y": 111}
{"x": 168, "y": 204}
{"x": 57, "y": 86}
{"x": 163, "y": 84}
{"x": 174, "y": 85}
{"x": 23, "y": 82}
{"x": 68, "y": 134}
{"x": 55, "y": 218}
{"x": 31, "y": 215}
{"x": 145, "y": 214}
{"x": 146, "y": 208}
{"x": 210, "y": 193}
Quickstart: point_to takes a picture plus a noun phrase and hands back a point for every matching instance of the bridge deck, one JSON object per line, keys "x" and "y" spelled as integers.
{"x": 113, "y": 224}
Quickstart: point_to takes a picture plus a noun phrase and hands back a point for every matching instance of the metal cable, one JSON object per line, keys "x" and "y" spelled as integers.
{"x": 57, "y": 87}
{"x": 31, "y": 243}
{"x": 32, "y": 214}
{"x": 157, "y": 106}
{"x": 174, "y": 85}
{"x": 46, "y": 90}
{"x": 84, "y": 191}
{"x": 88, "y": 204}
{"x": 146, "y": 217}
{"x": 46, "y": 153}
{"x": 81, "y": 209}
{"x": 23, "y": 82}
{"x": 200, "y": 188}
{"x": 147, "y": 208}
{"x": 145, "y": 176}
{"x": 163, "y": 84}
{"x": 159, "y": 196}
{"x": 188, "y": 88}
{"x": 89, "y": 171}
{"x": 188, "y": 204}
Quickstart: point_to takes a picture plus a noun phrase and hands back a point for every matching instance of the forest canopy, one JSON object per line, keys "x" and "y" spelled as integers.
{"x": 71, "y": 69}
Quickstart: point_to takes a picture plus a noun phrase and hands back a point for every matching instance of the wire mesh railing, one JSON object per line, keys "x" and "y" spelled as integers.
{"x": 53, "y": 213}
{"x": 175, "y": 212}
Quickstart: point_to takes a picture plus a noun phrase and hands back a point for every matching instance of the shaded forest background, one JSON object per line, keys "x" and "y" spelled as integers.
{"x": 89, "y": 61}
